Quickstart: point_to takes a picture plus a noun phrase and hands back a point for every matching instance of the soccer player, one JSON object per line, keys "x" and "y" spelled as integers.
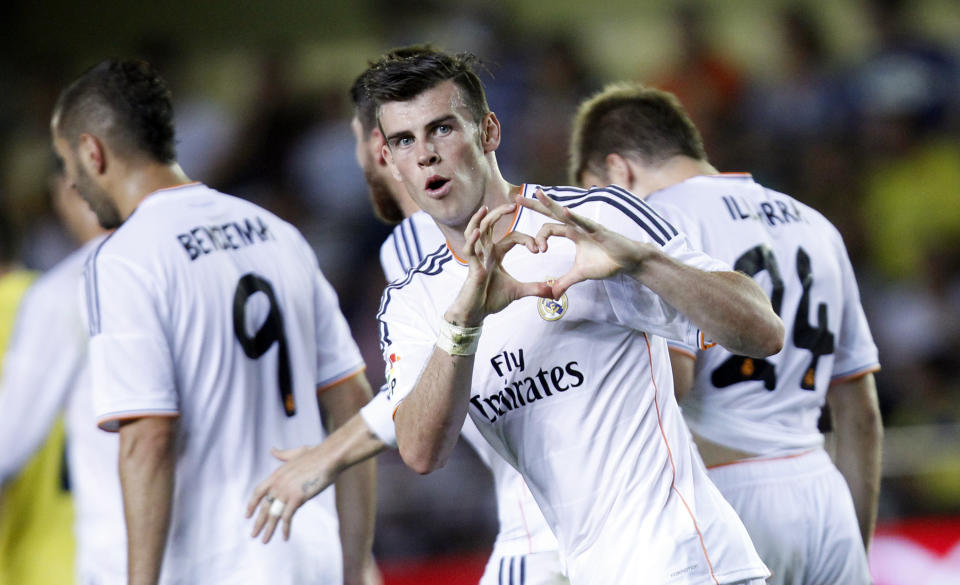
{"x": 525, "y": 551}
{"x": 213, "y": 337}
{"x": 36, "y": 389}
{"x": 755, "y": 420}
{"x": 573, "y": 388}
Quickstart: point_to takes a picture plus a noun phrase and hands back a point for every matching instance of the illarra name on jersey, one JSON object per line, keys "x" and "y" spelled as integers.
{"x": 231, "y": 235}
{"x": 521, "y": 388}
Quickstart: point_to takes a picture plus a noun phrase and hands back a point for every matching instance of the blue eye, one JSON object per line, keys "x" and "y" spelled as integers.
{"x": 405, "y": 141}
{"x": 443, "y": 129}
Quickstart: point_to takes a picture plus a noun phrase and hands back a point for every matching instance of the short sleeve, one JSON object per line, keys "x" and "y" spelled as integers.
{"x": 130, "y": 358}
{"x": 338, "y": 356}
{"x": 856, "y": 352}
{"x": 691, "y": 228}
{"x": 378, "y": 416}
{"x": 634, "y": 304}
{"x": 407, "y": 339}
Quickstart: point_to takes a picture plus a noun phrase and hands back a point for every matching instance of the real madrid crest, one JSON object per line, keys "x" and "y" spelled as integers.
{"x": 550, "y": 309}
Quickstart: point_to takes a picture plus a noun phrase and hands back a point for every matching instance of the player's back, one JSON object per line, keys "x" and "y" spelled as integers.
{"x": 227, "y": 294}
{"x": 771, "y": 406}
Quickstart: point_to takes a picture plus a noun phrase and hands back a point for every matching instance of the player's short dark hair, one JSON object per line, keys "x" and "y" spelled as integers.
{"x": 633, "y": 121}
{"x": 402, "y": 74}
{"x": 124, "y": 100}
{"x": 364, "y": 105}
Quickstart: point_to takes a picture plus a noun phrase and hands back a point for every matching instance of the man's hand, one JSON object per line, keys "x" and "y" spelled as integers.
{"x": 600, "y": 254}
{"x": 489, "y": 288}
{"x": 306, "y": 472}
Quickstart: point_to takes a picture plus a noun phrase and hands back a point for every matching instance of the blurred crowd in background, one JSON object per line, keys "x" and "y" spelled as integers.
{"x": 861, "y": 121}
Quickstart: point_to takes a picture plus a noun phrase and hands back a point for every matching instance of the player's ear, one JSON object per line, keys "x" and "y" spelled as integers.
{"x": 91, "y": 154}
{"x": 489, "y": 132}
{"x": 618, "y": 170}
{"x": 388, "y": 158}
{"x": 377, "y": 144}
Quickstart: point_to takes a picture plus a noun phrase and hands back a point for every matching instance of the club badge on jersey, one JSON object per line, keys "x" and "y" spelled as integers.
{"x": 550, "y": 309}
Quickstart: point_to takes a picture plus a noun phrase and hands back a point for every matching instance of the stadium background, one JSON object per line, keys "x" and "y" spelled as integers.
{"x": 851, "y": 105}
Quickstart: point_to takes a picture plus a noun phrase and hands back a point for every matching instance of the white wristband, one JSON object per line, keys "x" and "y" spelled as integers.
{"x": 457, "y": 340}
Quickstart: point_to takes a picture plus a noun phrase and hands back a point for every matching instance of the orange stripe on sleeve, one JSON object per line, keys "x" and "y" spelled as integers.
{"x": 343, "y": 378}
{"x": 855, "y": 375}
{"x": 111, "y": 423}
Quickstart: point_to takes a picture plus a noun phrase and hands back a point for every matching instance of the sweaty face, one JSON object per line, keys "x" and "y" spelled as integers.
{"x": 433, "y": 146}
{"x": 108, "y": 216}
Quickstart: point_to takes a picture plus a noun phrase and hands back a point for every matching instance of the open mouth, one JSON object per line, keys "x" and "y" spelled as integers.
{"x": 435, "y": 183}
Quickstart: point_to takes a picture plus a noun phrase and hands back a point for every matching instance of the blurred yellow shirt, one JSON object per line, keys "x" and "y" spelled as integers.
{"x": 36, "y": 512}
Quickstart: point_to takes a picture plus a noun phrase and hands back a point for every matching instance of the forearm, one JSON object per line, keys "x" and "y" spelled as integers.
{"x": 429, "y": 419}
{"x": 349, "y": 449}
{"x": 351, "y": 444}
{"x": 858, "y": 436}
{"x": 356, "y": 507}
{"x": 147, "y": 475}
{"x": 728, "y": 307}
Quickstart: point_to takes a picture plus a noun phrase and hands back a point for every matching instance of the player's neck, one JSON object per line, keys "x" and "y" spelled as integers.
{"x": 406, "y": 203}
{"x": 498, "y": 192}
{"x": 650, "y": 179}
{"x": 145, "y": 180}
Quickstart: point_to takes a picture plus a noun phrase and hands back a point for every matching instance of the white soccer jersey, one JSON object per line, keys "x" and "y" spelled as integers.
{"x": 577, "y": 395}
{"x": 46, "y": 372}
{"x": 771, "y": 406}
{"x": 523, "y": 529}
{"x": 408, "y": 244}
{"x": 209, "y": 308}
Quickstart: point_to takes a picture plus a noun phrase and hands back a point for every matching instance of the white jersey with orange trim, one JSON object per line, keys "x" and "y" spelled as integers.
{"x": 577, "y": 395}
{"x": 209, "y": 308}
{"x": 771, "y": 406}
{"x": 523, "y": 529}
{"x": 45, "y": 373}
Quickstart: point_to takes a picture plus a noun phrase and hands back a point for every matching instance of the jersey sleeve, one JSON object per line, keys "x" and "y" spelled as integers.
{"x": 130, "y": 357}
{"x": 39, "y": 371}
{"x": 407, "y": 339}
{"x": 636, "y": 305}
{"x": 338, "y": 356}
{"x": 690, "y": 227}
{"x": 378, "y": 416}
{"x": 856, "y": 352}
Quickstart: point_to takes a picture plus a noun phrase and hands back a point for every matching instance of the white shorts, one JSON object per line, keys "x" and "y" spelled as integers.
{"x": 542, "y": 568}
{"x": 800, "y": 516}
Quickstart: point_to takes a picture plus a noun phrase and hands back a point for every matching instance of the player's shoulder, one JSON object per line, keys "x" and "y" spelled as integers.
{"x": 425, "y": 277}
{"x": 408, "y": 244}
{"x": 610, "y": 205}
{"x": 705, "y": 188}
{"x": 60, "y": 281}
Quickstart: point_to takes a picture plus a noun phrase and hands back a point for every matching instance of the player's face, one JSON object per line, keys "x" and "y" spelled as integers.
{"x": 379, "y": 180}
{"x": 76, "y": 177}
{"x": 435, "y": 148}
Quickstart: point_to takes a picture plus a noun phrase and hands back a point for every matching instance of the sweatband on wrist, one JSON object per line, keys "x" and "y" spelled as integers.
{"x": 457, "y": 340}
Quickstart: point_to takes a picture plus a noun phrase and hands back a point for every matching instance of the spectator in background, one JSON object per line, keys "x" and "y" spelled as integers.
{"x": 36, "y": 513}
{"x": 705, "y": 80}
{"x": 36, "y": 389}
